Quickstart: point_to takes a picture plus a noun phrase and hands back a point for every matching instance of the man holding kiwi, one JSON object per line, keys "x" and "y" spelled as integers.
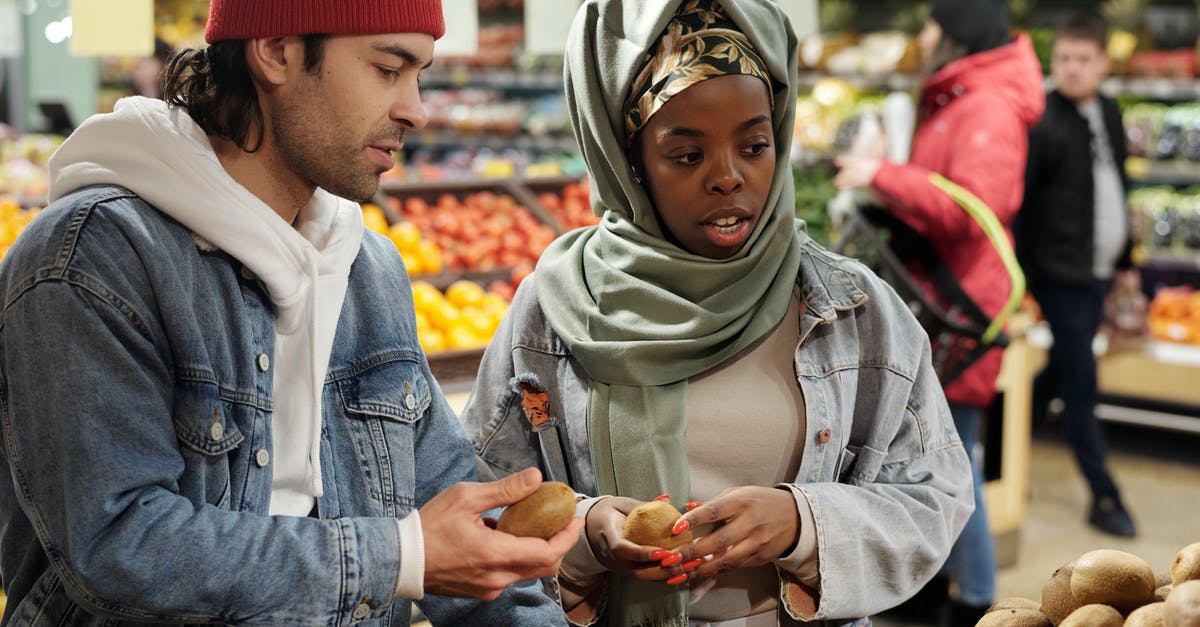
{"x": 214, "y": 407}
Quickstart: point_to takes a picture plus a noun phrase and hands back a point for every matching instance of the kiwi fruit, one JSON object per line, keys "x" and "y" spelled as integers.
{"x": 1057, "y": 600}
{"x": 542, "y": 514}
{"x": 1094, "y": 615}
{"x": 1110, "y": 577}
{"x": 1182, "y": 608}
{"x": 649, "y": 524}
{"x": 1015, "y": 603}
{"x": 1149, "y": 615}
{"x": 1186, "y": 565}
{"x": 1014, "y": 617}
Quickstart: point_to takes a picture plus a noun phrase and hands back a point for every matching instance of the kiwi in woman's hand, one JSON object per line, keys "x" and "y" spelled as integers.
{"x": 650, "y": 524}
{"x": 541, "y": 514}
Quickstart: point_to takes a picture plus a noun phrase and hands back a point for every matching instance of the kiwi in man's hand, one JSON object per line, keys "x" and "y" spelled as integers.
{"x": 542, "y": 514}
{"x": 650, "y": 524}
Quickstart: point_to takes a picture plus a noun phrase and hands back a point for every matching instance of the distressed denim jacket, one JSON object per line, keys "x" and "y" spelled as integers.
{"x": 883, "y": 468}
{"x": 135, "y": 402}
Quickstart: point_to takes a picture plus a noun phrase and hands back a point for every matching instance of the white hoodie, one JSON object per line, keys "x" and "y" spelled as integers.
{"x": 162, "y": 155}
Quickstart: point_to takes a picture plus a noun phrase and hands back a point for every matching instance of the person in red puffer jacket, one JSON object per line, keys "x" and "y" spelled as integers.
{"x": 983, "y": 94}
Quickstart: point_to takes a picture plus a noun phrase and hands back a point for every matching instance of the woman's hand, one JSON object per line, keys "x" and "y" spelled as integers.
{"x": 753, "y": 526}
{"x": 605, "y": 533}
{"x": 856, "y": 172}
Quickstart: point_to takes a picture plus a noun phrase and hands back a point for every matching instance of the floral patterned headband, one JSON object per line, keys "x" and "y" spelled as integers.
{"x": 699, "y": 44}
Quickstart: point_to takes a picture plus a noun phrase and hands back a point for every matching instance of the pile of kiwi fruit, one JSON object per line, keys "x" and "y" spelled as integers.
{"x": 1110, "y": 588}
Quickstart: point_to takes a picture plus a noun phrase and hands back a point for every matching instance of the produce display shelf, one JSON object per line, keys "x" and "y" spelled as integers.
{"x": 447, "y": 139}
{"x": 455, "y": 368}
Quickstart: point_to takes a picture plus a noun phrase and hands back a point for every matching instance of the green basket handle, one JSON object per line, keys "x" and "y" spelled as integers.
{"x": 994, "y": 231}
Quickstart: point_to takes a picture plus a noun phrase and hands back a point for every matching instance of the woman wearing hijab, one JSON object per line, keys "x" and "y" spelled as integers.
{"x": 698, "y": 345}
{"x": 983, "y": 95}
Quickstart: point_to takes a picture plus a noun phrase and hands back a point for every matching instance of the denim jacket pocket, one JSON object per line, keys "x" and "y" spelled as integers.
{"x": 208, "y": 432}
{"x": 396, "y": 390}
{"x": 384, "y": 406}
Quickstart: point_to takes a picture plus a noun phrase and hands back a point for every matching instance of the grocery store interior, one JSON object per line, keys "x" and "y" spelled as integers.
{"x": 496, "y": 176}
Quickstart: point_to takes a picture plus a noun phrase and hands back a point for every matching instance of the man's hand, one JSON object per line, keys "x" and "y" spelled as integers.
{"x": 466, "y": 558}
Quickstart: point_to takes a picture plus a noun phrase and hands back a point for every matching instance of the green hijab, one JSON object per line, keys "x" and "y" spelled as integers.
{"x": 640, "y": 314}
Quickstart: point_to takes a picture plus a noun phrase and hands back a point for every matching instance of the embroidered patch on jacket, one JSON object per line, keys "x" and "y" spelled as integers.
{"x": 536, "y": 405}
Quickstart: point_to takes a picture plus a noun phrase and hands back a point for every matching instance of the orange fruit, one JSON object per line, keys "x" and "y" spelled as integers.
{"x": 425, "y": 296}
{"x": 412, "y": 263}
{"x": 480, "y": 323}
{"x": 432, "y": 340}
{"x": 405, "y": 235}
{"x": 462, "y": 337}
{"x": 430, "y": 254}
{"x": 464, "y": 293}
{"x": 374, "y": 219}
{"x": 444, "y": 316}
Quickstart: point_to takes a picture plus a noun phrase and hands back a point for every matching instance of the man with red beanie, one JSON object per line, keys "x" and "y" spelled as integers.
{"x": 213, "y": 404}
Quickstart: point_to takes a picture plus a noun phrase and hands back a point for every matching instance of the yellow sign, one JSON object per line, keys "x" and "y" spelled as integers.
{"x": 112, "y": 28}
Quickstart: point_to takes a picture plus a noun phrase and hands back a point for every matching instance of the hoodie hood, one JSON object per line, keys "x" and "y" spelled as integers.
{"x": 1011, "y": 72}
{"x": 159, "y": 153}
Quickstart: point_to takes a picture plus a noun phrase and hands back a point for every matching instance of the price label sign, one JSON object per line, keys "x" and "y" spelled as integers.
{"x": 112, "y": 28}
{"x": 462, "y": 29}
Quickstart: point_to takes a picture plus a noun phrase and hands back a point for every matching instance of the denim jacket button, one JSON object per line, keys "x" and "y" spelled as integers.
{"x": 360, "y": 611}
{"x": 262, "y": 457}
{"x": 216, "y": 431}
{"x": 410, "y": 401}
{"x": 824, "y": 436}
{"x": 264, "y": 362}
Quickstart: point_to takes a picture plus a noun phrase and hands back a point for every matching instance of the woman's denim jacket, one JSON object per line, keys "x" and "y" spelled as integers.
{"x": 136, "y": 404}
{"x": 883, "y": 469}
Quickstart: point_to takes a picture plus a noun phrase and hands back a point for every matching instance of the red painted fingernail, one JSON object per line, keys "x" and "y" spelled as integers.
{"x": 693, "y": 505}
{"x": 677, "y": 579}
{"x": 666, "y": 498}
{"x": 658, "y": 554}
{"x": 692, "y": 564}
{"x": 672, "y": 560}
{"x": 681, "y": 527}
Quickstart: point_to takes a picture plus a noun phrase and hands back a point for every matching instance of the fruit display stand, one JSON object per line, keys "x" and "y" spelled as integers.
{"x": 492, "y": 232}
{"x": 1007, "y": 494}
{"x": 1158, "y": 373}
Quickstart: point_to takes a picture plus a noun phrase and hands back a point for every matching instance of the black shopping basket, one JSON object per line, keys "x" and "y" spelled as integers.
{"x": 960, "y": 333}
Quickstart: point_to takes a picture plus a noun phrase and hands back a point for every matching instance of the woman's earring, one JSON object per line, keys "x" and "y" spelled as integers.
{"x": 637, "y": 179}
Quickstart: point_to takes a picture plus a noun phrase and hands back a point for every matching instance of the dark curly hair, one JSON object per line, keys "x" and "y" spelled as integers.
{"x": 215, "y": 87}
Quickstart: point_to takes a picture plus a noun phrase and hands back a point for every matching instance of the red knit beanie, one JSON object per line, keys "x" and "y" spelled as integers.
{"x": 253, "y": 19}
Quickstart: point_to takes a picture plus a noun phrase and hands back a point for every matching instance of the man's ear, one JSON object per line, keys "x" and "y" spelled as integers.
{"x": 270, "y": 61}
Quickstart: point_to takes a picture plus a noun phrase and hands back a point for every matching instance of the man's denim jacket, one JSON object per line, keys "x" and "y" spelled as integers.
{"x": 884, "y": 471}
{"x": 136, "y": 404}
